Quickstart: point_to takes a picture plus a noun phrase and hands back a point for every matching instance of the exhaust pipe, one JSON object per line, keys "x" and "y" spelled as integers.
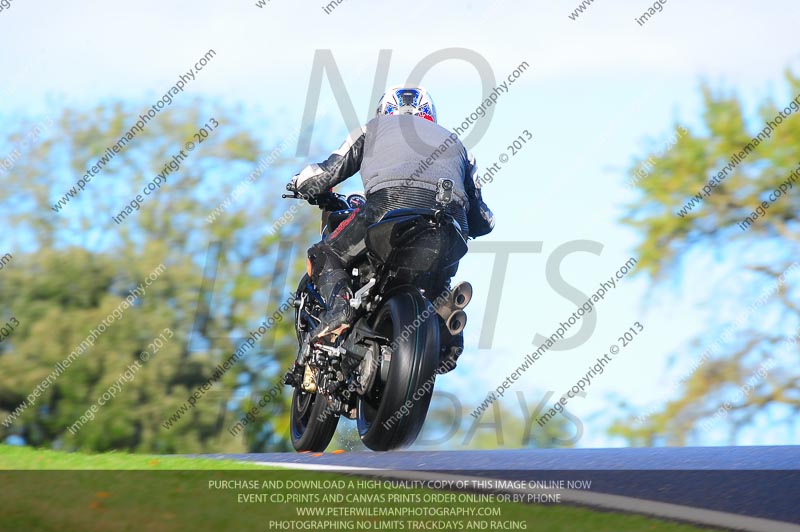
{"x": 458, "y": 298}
{"x": 456, "y": 322}
{"x": 461, "y": 295}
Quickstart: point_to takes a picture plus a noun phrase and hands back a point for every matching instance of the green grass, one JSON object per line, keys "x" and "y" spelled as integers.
{"x": 119, "y": 491}
{"x": 43, "y": 459}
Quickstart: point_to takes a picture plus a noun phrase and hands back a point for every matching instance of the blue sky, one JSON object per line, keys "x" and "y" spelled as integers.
{"x": 600, "y": 90}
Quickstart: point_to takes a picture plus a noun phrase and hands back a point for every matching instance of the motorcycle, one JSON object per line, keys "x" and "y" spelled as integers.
{"x": 381, "y": 370}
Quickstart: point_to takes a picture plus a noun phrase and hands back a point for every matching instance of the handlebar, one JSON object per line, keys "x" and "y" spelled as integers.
{"x": 324, "y": 200}
{"x": 294, "y": 194}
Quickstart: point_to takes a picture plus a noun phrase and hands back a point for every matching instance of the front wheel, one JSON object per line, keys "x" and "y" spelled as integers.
{"x": 392, "y": 412}
{"x": 312, "y": 422}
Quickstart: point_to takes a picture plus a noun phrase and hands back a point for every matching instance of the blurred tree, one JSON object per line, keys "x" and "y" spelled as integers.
{"x": 224, "y": 274}
{"x": 681, "y": 232}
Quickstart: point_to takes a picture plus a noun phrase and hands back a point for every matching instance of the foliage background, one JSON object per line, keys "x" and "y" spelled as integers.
{"x": 603, "y": 96}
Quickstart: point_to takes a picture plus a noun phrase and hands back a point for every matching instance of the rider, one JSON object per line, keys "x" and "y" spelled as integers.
{"x": 402, "y": 154}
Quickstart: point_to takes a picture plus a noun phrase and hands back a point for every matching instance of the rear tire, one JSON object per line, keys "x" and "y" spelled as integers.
{"x": 392, "y": 412}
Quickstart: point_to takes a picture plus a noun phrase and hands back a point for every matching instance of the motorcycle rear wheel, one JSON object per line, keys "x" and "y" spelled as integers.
{"x": 391, "y": 414}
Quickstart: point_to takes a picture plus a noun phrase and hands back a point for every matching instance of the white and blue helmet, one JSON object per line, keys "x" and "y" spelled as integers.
{"x": 407, "y": 100}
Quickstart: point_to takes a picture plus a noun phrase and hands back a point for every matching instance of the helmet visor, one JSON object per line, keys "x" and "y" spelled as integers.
{"x": 408, "y": 97}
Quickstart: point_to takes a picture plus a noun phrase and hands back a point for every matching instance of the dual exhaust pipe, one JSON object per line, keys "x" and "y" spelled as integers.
{"x": 452, "y": 311}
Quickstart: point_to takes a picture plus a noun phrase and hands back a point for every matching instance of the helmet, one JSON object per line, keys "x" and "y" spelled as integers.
{"x": 404, "y": 100}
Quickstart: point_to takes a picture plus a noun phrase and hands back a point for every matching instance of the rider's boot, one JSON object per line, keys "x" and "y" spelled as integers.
{"x": 334, "y": 287}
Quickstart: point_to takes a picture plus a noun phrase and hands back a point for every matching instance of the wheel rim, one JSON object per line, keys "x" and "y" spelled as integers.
{"x": 368, "y": 405}
{"x": 370, "y": 402}
{"x": 302, "y": 404}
